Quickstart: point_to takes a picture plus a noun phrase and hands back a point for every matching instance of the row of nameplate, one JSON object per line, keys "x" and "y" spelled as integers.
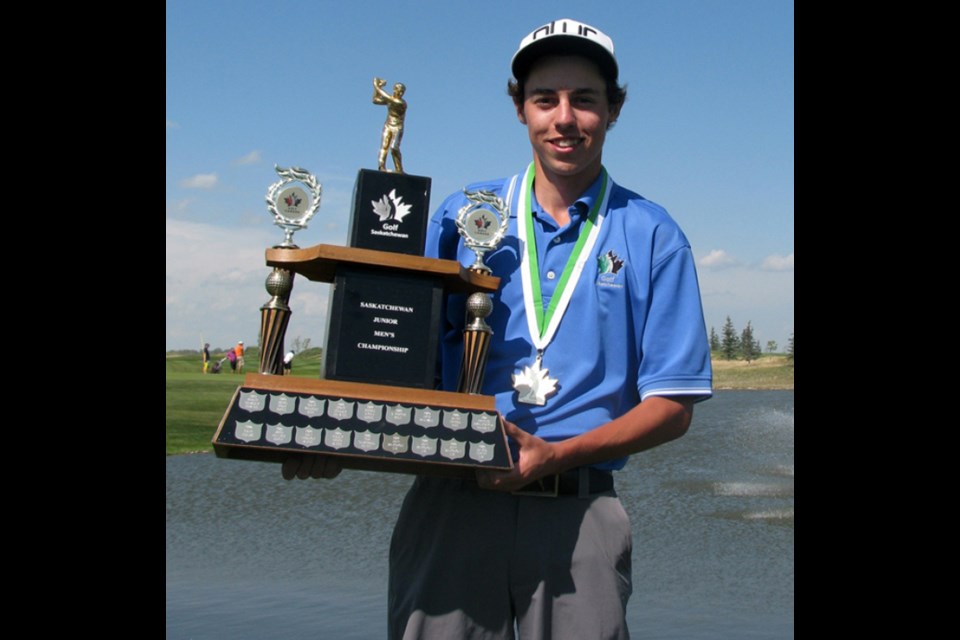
{"x": 365, "y": 441}
{"x": 369, "y": 412}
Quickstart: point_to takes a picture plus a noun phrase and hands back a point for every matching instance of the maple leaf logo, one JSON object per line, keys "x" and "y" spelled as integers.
{"x": 390, "y": 207}
{"x": 609, "y": 263}
{"x": 534, "y": 385}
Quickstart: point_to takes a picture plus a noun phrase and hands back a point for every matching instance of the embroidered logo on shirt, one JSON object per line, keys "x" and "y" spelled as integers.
{"x": 609, "y": 262}
{"x": 608, "y": 266}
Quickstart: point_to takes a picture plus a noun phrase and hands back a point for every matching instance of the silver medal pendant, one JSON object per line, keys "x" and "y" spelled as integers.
{"x": 534, "y": 384}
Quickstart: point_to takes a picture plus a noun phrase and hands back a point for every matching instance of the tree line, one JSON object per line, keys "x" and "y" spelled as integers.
{"x": 742, "y": 346}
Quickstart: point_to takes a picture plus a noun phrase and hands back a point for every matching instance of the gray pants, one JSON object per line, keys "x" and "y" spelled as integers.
{"x": 470, "y": 563}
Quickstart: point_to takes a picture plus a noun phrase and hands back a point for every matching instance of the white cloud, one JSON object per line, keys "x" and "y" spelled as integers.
{"x": 777, "y": 263}
{"x": 199, "y": 251}
{"x": 717, "y": 259}
{"x": 251, "y": 158}
{"x": 215, "y": 287}
{"x": 179, "y": 206}
{"x": 200, "y": 181}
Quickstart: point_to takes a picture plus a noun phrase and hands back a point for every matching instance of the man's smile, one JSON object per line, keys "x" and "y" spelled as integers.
{"x": 566, "y": 143}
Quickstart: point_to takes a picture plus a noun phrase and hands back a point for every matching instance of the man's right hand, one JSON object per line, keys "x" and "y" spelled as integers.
{"x": 305, "y": 466}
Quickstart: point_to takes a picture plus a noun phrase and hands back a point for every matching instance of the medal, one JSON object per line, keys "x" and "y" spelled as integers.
{"x": 533, "y": 382}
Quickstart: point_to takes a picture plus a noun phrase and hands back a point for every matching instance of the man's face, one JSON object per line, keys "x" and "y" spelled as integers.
{"x": 566, "y": 112}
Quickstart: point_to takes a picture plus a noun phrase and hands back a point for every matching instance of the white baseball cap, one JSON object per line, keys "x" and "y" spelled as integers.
{"x": 565, "y": 36}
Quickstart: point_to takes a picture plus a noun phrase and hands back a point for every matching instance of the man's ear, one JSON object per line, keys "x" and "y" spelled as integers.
{"x": 522, "y": 118}
{"x": 615, "y": 112}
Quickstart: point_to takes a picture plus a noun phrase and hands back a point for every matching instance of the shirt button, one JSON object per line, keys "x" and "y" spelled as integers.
{"x": 556, "y": 240}
{"x": 551, "y": 275}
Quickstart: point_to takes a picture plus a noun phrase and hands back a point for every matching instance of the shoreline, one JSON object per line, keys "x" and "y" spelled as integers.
{"x": 195, "y": 404}
{"x": 767, "y": 373}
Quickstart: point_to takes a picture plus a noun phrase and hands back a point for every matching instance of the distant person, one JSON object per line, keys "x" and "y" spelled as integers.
{"x": 232, "y": 357}
{"x": 287, "y": 363}
{"x": 206, "y": 356}
{"x": 239, "y": 352}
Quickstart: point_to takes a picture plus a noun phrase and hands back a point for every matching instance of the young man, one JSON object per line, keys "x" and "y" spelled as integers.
{"x": 599, "y": 300}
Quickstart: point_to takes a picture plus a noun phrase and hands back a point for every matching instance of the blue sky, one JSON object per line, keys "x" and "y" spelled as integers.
{"x": 707, "y": 132}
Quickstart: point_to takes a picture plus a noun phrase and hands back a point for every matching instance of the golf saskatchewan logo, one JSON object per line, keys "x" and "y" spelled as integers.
{"x": 608, "y": 266}
{"x": 391, "y": 210}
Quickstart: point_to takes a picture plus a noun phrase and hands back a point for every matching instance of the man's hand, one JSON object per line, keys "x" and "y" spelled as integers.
{"x": 305, "y": 466}
{"x": 536, "y": 459}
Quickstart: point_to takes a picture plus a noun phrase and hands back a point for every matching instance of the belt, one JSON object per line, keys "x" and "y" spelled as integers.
{"x": 582, "y": 481}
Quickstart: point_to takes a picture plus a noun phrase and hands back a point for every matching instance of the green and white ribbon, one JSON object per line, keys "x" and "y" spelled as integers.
{"x": 533, "y": 383}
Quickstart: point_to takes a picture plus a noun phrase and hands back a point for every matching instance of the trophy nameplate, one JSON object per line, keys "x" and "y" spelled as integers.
{"x": 380, "y": 328}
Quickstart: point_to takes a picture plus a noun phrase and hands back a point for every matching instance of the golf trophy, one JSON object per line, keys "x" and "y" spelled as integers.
{"x": 292, "y": 208}
{"x": 376, "y": 406}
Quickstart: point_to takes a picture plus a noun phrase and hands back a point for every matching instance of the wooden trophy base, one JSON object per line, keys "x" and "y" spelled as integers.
{"x": 368, "y": 417}
{"x": 364, "y": 426}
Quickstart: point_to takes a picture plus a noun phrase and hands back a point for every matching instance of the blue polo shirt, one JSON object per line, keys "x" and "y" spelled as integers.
{"x": 634, "y": 327}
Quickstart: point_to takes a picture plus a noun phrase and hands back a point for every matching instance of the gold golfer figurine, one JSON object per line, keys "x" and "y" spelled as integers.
{"x": 393, "y": 127}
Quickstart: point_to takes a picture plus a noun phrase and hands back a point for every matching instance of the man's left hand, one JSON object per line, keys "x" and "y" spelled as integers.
{"x": 536, "y": 459}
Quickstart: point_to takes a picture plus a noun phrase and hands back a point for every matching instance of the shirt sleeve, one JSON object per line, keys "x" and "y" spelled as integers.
{"x": 442, "y": 235}
{"x": 675, "y": 350}
{"x": 442, "y": 242}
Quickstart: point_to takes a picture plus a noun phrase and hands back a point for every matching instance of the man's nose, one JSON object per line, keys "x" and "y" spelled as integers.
{"x": 564, "y": 113}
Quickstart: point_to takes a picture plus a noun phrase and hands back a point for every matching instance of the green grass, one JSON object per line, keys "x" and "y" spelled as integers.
{"x": 196, "y": 402}
{"x": 195, "y": 405}
{"x": 767, "y": 372}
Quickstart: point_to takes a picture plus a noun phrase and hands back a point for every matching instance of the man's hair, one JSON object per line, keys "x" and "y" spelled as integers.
{"x": 616, "y": 95}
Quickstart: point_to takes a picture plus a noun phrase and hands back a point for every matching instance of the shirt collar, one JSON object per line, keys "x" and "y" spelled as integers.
{"x": 578, "y": 210}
